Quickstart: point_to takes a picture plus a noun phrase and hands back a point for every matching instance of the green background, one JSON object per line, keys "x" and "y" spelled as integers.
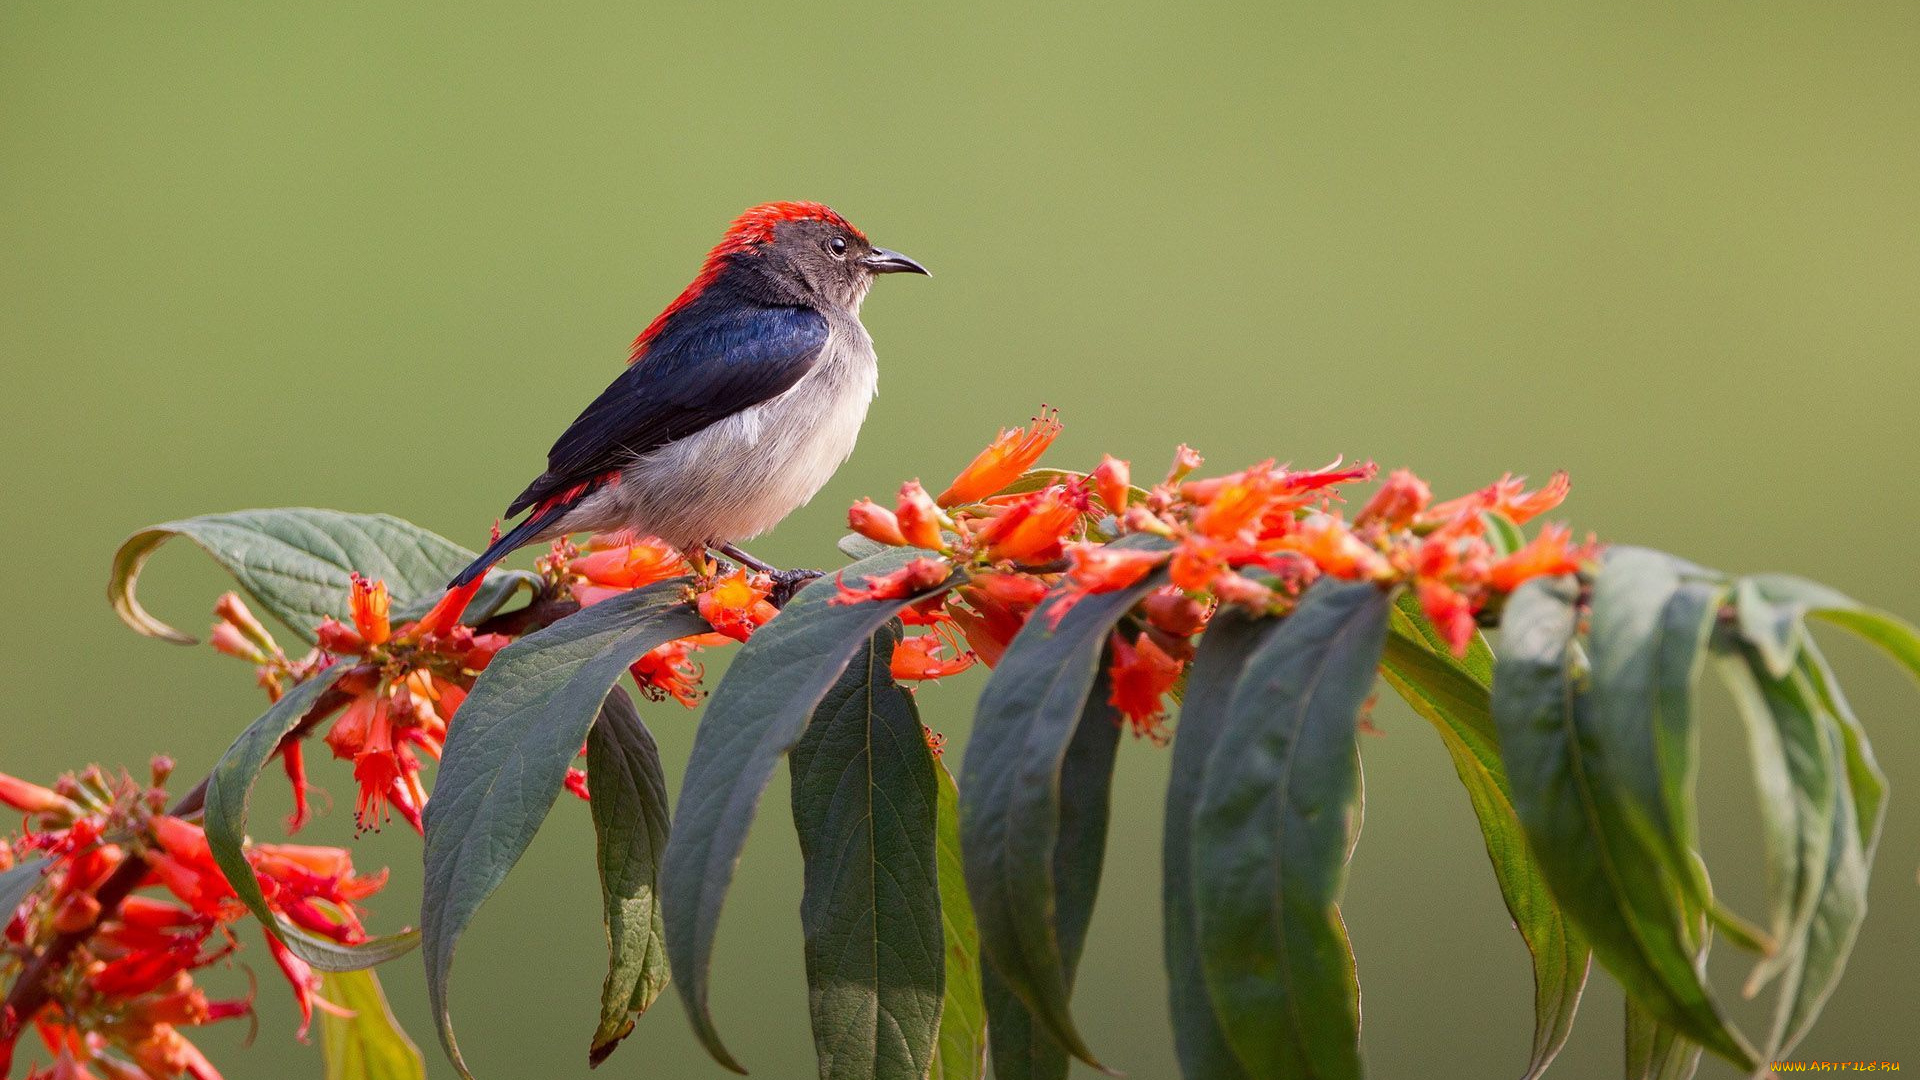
{"x": 374, "y": 256}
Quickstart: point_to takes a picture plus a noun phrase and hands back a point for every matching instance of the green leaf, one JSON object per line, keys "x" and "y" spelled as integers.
{"x": 1502, "y": 533}
{"x": 1896, "y": 637}
{"x": 369, "y": 1044}
{"x": 1648, "y": 646}
{"x": 757, "y": 714}
{"x": 1444, "y": 692}
{"x": 1022, "y": 1046}
{"x": 630, "y": 827}
{"x": 1796, "y": 777}
{"x": 962, "y": 1048}
{"x": 1566, "y": 771}
{"x": 230, "y": 789}
{"x": 1835, "y": 924}
{"x": 1817, "y": 839}
{"x": 1231, "y": 638}
{"x": 1866, "y": 783}
{"x": 1011, "y": 790}
{"x": 865, "y": 806}
{"x": 18, "y": 881}
{"x": 298, "y": 562}
{"x": 1278, "y": 813}
{"x": 507, "y": 755}
{"x": 1655, "y": 1051}
{"x": 855, "y": 546}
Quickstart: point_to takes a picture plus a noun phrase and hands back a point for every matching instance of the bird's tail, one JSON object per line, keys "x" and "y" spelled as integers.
{"x": 517, "y": 537}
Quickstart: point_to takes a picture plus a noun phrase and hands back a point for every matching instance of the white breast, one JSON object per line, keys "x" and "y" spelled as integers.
{"x": 739, "y": 477}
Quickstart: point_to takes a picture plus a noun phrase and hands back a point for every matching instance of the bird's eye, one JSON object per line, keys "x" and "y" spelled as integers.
{"x": 837, "y": 245}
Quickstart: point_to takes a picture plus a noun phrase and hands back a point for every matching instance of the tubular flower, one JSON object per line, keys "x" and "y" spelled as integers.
{"x": 1450, "y": 611}
{"x": 1010, "y": 454}
{"x": 369, "y": 605}
{"x": 1398, "y": 502}
{"x": 917, "y": 659}
{"x": 669, "y": 671}
{"x": 1507, "y": 496}
{"x": 1034, "y": 528}
{"x": 31, "y": 798}
{"x": 918, "y": 517}
{"x": 876, "y": 523}
{"x": 122, "y": 993}
{"x": 916, "y": 577}
{"x": 1548, "y": 554}
{"x": 1326, "y": 540}
{"x": 1185, "y": 460}
{"x": 611, "y": 571}
{"x": 1101, "y": 568}
{"x": 736, "y": 605}
{"x": 1112, "y": 481}
{"x": 1141, "y": 674}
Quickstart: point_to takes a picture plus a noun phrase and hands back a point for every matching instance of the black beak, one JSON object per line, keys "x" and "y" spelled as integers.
{"x": 882, "y": 261}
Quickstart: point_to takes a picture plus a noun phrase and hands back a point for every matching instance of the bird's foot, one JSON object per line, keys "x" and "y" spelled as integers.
{"x": 788, "y": 582}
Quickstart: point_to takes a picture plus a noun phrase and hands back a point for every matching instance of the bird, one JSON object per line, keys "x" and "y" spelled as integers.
{"x": 738, "y": 402}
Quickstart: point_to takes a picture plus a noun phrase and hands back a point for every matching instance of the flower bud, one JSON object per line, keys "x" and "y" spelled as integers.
{"x": 919, "y": 518}
{"x": 1185, "y": 460}
{"x": 1398, "y": 502}
{"x": 230, "y": 608}
{"x": 29, "y": 798}
{"x": 1111, "y": 481}
{"x": 876, "y": 523}
{"x": 231, "y": 640}
{"x": 1175, "y": 612}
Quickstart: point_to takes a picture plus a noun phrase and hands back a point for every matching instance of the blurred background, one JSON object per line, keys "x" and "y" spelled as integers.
{"x": 374, "y": 256}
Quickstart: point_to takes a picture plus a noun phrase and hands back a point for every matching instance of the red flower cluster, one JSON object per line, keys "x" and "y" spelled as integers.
{"x": 124, "y": 985}
{"x": 1256, "y": 538}
{"x": 403, "y": 690}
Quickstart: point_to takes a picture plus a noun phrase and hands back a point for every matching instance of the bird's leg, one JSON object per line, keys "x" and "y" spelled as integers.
{"x": 732, "y": 551}
{"x": 785, "y": 582}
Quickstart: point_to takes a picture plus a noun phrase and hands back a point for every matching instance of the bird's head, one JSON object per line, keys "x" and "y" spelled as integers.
{"x": 790, "y": 253}
{"x": 810, "y": 250}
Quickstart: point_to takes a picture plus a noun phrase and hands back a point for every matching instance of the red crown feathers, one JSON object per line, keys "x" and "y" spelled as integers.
{"x": 748, "y": 231}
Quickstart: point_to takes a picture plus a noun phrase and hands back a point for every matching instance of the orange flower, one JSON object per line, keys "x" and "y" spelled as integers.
{"x": 1326, "y": 540}
{"x": 631, "y": 566}
{"x": 1185, "y": 460}
{"x": 369, "y": 603}
{"x": 1141, "y": 674}
{"x": 1508, "y": 496}
{"x": 1171, "y": 610}
{"x": 1012, "y": 453}
{"x": 918, "y": 518}
{"x": 1234, "y": 503}
{"x": 876, "y": 523}
{"x": 1196, "y": 561}
{"x": 1551, "y": 553}
{"x": 1101, "y": 568}
{"x": 918, "y": 658}
{"x": 30, "y": 798}
{"x": 445, "y": 614}
{"x": 1231, "y": 588}
{"x": 1112, "y": 482}
{"x": 669, "y": 672}
{"x": 1033, "y": 529}
{"x": 736, "y": 605}
{"x": 1451, "y": 612}
{"x": 916, "y": 577}
{"x": 1398, "y": 502}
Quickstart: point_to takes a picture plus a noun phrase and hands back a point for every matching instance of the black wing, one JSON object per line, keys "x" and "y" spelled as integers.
{"x": 698, "y": 371}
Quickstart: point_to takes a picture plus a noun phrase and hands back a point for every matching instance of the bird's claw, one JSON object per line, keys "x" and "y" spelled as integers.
{"x": 788, "y": 582}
